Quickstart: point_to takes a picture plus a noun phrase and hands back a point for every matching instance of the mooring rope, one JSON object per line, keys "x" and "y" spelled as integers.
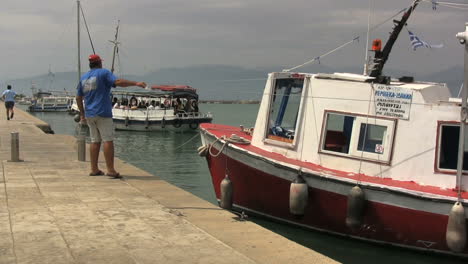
{"x": 235, "y": 139}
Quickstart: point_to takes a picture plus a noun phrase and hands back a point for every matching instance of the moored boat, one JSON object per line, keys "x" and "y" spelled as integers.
{"x": 50, "y": 102}
{"x": 364, "y": 156}
{"x": 163, "y": 107}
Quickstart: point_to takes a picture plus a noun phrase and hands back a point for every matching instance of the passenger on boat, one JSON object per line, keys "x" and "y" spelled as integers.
{"x": 152, "y": 105}
{"x": 124, "y": 104}
{"x": 141, "y": 104}
{"x": 179, "y": 106}
{"x": 133, "y": 105}
{"x": 115, "y": 102}
{"x": 195, "y": 105}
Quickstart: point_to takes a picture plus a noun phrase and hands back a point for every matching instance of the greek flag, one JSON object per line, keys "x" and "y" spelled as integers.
{"x": 416, "y": 42}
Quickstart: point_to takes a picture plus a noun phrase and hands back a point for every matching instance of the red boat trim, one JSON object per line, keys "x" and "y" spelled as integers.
{"x": 410, "y": 187}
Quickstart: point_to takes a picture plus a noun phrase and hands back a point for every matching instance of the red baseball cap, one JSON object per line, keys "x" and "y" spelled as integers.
{"x": 94, "y": 58}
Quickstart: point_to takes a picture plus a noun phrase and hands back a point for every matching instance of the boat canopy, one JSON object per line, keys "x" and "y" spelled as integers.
{"x": 183, "y": 91}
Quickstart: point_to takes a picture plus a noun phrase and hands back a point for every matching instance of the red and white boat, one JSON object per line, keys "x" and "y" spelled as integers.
{"x": 365, "y": 156}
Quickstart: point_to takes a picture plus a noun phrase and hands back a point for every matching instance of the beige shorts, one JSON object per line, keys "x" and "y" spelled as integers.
{"x": 100, "y": 129}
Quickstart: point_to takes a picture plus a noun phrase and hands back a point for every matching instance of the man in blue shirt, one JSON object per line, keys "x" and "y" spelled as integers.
{"x": 95, "y": 87}
{"x": 9, "y": 96}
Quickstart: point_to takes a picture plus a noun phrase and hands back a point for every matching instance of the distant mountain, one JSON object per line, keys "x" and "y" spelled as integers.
{"x": 220, "y": 82}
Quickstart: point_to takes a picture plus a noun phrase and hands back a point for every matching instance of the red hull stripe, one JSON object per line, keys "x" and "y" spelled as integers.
{"x": 222, "y": 130}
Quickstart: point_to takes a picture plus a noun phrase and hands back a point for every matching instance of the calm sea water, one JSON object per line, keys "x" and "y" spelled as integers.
{"x": 173, "y": 157}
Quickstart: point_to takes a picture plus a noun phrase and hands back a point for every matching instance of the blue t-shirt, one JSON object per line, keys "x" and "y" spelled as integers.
{"x": 95, "y": 86}
{"x": 9, "y": 95}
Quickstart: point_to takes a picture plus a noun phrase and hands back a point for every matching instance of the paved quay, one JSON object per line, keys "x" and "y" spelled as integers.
{"x": 51, "y": 211}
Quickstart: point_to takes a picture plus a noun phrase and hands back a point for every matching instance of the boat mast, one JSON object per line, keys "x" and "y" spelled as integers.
{"x": 463, "y": 38}
{"x": 78, "y": 30}
{"x": 116, "y": 43}
{"x": 380, "y": 57}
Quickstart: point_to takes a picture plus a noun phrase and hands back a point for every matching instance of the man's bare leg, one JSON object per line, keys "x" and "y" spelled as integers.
{"x": 109, "y": 156}
{"x": 94, "y": 153}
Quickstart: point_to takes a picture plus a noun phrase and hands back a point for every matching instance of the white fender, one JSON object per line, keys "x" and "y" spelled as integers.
{"x": 456, "y": 228}
{"x": 298, "y": 196}
{"x": 356, "y": 206}
{"x": 203, "y": 150}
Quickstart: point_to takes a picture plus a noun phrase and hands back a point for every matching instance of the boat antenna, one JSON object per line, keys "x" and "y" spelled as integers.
{"x": 116, "y": 45}
{"x": 381, "y": 57}
{"x": 87, "y": 29}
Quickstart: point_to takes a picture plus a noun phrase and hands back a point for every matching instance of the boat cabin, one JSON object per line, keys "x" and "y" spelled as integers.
{"x": 378, "y": 130}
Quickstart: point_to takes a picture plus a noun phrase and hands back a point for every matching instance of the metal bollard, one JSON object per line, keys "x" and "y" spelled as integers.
{"x": 81, "y": 142}
{"x": 81, "y": 131}
{"x": 15, "y": 147}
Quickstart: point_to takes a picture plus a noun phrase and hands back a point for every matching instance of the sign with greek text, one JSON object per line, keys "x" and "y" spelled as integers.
{"x": 392, "y": 101}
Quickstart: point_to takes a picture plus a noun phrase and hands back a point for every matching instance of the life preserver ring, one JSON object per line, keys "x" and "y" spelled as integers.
{"x": 177, "y": 123}
{"x": 193, "y": 125}
{"x": 167, "y": 103}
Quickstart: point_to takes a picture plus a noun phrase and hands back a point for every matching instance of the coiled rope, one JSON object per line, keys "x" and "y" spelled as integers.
{"x": 234, "y": 139}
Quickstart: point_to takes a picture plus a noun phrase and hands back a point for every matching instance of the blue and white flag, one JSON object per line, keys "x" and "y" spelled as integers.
{"x": 416, "y": 42}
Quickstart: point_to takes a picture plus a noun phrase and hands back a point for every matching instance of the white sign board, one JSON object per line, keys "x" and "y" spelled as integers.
{"x": 392, "y": 101}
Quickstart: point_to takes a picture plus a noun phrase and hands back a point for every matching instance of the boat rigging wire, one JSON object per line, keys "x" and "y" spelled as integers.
{"x": 460, "y": 6}
{"x": 87, "y": 29}
{"x": 366, "y": 58}
{"x": 343, "y": 45}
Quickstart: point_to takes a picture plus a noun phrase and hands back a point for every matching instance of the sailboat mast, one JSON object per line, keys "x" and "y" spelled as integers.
{"x": 115, "y": 45}
{"x": 380, "y": 58}
{"x": 78, "y": 30}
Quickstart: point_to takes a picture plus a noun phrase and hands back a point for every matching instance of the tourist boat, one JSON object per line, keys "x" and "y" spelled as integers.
{"x": 50, "y": 102}
{"x": 364, "y": 156}
{"x": 163, "y": 107}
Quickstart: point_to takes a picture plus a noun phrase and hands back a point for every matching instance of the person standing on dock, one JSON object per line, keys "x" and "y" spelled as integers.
{"x": 95, "y": 87}
{"x": 9, "y": 96}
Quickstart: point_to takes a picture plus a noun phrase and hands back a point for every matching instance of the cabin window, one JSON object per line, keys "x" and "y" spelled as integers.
{"x": 448, "y": 147}
{"x": 371, "y": 138}
{"x": 357, "y": 136}
{"x": 284, "y": 109}
{"x": 338, "y": 133}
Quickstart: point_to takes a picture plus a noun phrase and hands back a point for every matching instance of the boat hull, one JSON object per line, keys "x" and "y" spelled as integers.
{"x": 159, "y": 124}
{"x": 261, "y": 187}
{"x": 48, "y": 109}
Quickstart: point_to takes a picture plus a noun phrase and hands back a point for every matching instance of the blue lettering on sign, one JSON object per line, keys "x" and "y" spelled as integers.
{"x": 405, "y": 96}
{"x": 384, "y": 94}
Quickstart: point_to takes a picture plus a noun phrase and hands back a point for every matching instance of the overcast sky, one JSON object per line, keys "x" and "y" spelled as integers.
{"x": 250, "y": 33}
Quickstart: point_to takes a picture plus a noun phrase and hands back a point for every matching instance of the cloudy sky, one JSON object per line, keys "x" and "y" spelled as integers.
{"x": 250, "y": 33}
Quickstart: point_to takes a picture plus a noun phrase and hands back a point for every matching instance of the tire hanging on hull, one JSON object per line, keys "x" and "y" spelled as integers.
{"x": 193, "y": 125}
{"x": 456, "y": 228}
{"x": 177, "y": 123}
{"x": 356, "y": 206}
{"x": 298, "y": 196}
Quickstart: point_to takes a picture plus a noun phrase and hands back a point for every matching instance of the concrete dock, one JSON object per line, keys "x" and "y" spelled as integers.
{"x": 51, "y": 211}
